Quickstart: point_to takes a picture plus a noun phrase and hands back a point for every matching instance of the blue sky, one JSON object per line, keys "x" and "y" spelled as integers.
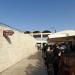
{"x": 38, "y": 14}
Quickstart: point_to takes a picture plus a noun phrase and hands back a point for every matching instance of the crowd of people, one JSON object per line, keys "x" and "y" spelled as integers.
{"x": 52, "y": 56}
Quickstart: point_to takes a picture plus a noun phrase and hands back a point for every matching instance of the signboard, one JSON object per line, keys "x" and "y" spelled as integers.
{"x": 8, "y": 32}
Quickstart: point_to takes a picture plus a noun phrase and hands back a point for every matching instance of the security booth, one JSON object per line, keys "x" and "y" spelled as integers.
{"x": 67, "y": 64}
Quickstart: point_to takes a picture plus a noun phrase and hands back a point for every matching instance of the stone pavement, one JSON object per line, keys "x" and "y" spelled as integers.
{"x": 33, "y": 65}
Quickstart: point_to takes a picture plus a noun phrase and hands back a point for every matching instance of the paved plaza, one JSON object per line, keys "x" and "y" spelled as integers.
{"x": 33, "y": 65}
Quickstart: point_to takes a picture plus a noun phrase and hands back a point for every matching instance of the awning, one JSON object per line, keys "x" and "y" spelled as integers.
{"x": 61, "y": 36}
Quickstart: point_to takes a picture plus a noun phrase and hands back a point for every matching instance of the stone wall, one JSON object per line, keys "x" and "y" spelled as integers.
{"x": 15, "y": 47}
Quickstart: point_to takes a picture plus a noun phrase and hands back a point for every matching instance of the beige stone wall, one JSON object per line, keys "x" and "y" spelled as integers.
{"x": 19, "y": 46}
{"x": 1, "y": 37}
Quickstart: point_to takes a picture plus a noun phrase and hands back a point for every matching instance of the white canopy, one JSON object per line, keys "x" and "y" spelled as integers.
{"x": 65, "y": 33}
{"x": 61, "y": 36}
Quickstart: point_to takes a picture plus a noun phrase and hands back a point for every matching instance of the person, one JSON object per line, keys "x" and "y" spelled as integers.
{"x": 56, "y": 59}
{"x": 63, "y": 47}
{"x": 38, "y": 47}
{"x": 69, "y": 46}
{"x": 49, "y": 58}
{"x": 44, "y": 49}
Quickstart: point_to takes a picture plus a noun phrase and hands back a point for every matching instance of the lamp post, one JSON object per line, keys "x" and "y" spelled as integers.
{"x": 54, "y": 29}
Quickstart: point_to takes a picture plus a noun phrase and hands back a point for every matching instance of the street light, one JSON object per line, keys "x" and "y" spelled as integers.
{"x": 54, "y": 29}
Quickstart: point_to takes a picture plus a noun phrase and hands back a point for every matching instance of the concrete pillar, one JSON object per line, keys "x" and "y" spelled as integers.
{"x": 41, "y": 39}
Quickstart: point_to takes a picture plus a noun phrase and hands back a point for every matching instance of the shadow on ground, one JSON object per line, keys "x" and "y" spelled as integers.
{"x": 36, "y": 68}
{"x": 33, "y": 65}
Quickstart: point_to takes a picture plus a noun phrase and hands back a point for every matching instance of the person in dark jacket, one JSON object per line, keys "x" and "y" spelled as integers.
{"x": 49, "y": 58}
{"x": 56, "y": 60}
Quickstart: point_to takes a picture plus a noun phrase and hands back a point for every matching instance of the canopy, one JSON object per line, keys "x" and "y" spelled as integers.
{"x": 62, "y": 36}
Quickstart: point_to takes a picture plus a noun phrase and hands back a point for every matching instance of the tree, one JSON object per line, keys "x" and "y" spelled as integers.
{"x": 36, "y": 31}
{"x": 27, "y": 32}
{"x": 46, "y": 31}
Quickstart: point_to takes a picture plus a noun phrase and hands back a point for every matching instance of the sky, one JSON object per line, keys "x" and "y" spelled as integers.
{"x": 33, "y": 15}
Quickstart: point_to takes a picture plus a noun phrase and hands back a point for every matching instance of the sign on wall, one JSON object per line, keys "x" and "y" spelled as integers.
{"x": 8, "y": 32}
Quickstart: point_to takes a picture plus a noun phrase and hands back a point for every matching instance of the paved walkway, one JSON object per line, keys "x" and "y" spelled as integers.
{"x": 33, "y": 65}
